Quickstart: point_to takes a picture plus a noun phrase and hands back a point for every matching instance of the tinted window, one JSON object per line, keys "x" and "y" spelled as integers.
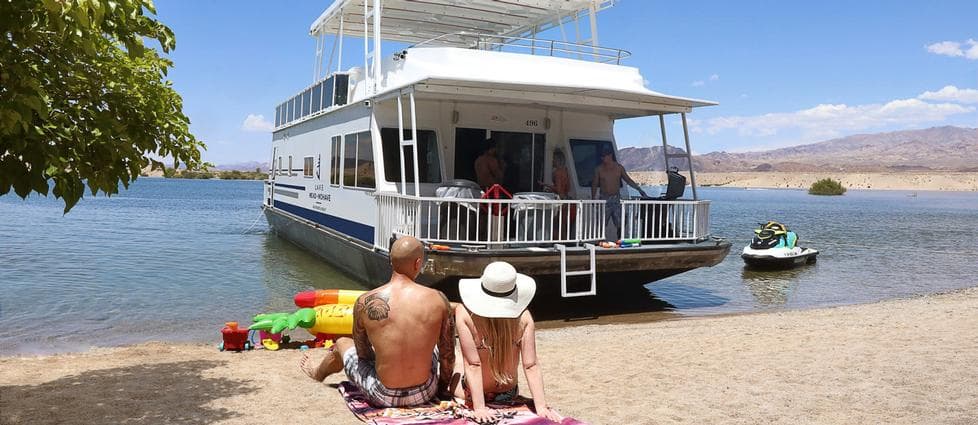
{"x": 350, "y": 160}
{"x": 341, "y": 89}
{"x": 427, "y": 149}
{"x": 317, "y": 94}
{"x": 278, "y": 115}
{"x": 305, "y": 103}
{"x": 365, "y": 161}
{"x": 520, "y": 155}
{"x": 587, "y": 156}
{"x": 334, "y": 165}
{"x": 328, "y": 92}
{"x": 307, "y": 165}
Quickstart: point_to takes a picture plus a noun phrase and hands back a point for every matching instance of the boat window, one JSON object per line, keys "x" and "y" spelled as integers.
{"x": 428, "y": 166}
{"x": 342, "y": 88}
{"x": 307, "y": 166}
{"x": 278, "y": 115}
{"x": 358, "y": 161}
{"x": 587, "y": 156}
{"x": 520, "y": 154}
{"x": 305, "y": 103}
{"x": 365, "y": 161}
{"x": 328, "y": 92}
{"x": 334, "y": 165}
{"x": 317, "y": 95}
{"x": 350, "y": 160}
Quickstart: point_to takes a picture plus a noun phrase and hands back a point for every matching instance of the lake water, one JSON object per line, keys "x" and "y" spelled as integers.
{"x": 174, "y": 259}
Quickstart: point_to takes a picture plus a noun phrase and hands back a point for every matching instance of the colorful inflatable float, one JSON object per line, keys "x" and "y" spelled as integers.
{"x": 325, "y": 313}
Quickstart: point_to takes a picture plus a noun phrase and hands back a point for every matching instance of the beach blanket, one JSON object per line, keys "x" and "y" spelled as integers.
{"x": 516, "y": 412}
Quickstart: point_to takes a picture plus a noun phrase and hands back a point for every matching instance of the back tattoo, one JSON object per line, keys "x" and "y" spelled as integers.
{"x": 376, "y": 306}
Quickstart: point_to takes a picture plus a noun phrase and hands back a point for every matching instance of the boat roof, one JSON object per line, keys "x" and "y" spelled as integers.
{"x": 415, "y": 21}
{"x": 616, "y": 103}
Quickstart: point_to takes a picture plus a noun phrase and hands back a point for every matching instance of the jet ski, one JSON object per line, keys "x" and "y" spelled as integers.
{"x": 775, "y": 247}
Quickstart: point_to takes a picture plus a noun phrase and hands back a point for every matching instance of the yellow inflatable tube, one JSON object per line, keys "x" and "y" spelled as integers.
{"x": 333, "y": 319}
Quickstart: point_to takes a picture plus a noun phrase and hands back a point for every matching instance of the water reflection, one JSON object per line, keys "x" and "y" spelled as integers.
{"x": 288, "y": 269}
{"x": 772, "y": 288}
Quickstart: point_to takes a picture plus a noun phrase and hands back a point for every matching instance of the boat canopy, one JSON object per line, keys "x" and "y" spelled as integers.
{"x": 618, "y": 104}
{"x": 416, "y": 21}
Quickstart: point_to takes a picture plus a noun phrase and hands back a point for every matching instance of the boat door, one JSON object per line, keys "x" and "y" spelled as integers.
{"x": 521, "y": 156}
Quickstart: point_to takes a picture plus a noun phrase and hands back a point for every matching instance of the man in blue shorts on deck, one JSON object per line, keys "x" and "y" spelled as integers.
{"x": 607, "y": 177}
{"x": 403, "y": 348}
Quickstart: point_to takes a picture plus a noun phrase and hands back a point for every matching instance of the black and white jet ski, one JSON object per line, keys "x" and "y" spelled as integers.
{"x": 774, "y": 246}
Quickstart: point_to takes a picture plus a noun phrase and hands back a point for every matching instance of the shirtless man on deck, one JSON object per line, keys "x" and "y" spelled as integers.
{"x": 487, "y": 169}
{"x": 608, "y": 176}
{"x": 403, "y": 336}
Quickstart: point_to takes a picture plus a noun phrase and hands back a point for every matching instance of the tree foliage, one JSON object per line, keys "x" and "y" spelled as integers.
{"x": 826, "y": 187}
{"x": 82, "y": 100}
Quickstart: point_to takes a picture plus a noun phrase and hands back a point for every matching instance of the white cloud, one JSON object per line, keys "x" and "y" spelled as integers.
{"x": 701, "y": 83}
{"x": 257, "y": 123}
{"x": 951, "y": 94}
{"x": 967, "y": 49}
{"x": 833, "y": 120}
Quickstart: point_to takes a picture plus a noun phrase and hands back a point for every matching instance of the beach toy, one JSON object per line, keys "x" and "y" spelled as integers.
{"x": 628, "y": 243}
{"x": 235, "y": 339}
{"x": 606, "y": 244}
{"x": 324, "y": 321}
{"x": 318, "y": 297}
{"x": 269, "y": 344}
{"x": 263, "y": 335}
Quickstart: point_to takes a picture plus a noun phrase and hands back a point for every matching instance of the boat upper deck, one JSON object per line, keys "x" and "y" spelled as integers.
{"x": 439, "y": 21}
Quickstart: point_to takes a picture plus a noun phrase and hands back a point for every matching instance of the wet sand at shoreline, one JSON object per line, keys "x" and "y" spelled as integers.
{"x": 901, "y": 361}
{"x": 941, "y": 181}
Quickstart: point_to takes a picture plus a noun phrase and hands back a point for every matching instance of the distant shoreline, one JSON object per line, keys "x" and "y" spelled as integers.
{"x": 933, "y": 180}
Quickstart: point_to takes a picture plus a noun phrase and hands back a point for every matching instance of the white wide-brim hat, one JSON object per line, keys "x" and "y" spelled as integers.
{"x": 501, "y": 292}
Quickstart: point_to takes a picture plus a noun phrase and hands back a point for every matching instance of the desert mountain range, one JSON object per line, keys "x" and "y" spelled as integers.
{"x": 939, "y": 149}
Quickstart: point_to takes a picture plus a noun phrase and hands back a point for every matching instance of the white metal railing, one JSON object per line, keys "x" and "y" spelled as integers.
{"x": 526, "y": 222}
{"x": 534, "y": 46}
{"x": 665, "y": 220}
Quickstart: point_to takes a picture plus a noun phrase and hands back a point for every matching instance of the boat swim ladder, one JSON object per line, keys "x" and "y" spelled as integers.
{"x": 593, "y": 272}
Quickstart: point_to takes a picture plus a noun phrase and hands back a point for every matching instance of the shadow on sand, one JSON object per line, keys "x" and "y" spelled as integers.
{"x": 155, "y": 393}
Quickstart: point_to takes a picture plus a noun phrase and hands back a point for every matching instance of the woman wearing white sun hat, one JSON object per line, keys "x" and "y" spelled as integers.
{"x": 495, "y": 331}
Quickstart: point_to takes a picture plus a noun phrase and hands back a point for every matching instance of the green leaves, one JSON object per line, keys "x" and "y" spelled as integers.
{"x": 82, "y": 99}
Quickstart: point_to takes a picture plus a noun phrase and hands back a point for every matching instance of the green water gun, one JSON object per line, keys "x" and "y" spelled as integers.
{"x": 277, "y": 322}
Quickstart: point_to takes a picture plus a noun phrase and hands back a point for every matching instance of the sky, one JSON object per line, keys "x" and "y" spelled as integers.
{"x": 784, "y": 73}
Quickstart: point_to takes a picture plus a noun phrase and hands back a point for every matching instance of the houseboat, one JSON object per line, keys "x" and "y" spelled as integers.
{"x": 388, "y": 147}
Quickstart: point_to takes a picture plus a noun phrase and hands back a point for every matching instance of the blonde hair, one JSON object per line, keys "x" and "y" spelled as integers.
{"x": 501, "y": 337}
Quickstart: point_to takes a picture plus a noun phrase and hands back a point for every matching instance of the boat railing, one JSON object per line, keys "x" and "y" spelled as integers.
{"x": 533, "y": 46}
{"x": 507, "y": 223}
{"x": 659, "y": 220}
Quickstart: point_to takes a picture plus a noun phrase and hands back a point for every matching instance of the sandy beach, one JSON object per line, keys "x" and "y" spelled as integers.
{"x": 904, "y": 361}
{"x": 944, "y": 181}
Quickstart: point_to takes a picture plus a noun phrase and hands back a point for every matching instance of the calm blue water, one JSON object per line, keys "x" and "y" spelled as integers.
{"x": 174, "y": 259}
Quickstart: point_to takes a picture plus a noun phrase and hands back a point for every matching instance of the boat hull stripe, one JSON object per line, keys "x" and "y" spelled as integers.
{"x": 351, "y": 228}
{"x": 290, "y": 186}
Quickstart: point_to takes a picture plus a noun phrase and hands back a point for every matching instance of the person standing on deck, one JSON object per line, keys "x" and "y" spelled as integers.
{"x": 608, "y": 176}
{"x": 488, "y": 170}
{"x": 564, "y": 224}
{"x": 403, "y": 348}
